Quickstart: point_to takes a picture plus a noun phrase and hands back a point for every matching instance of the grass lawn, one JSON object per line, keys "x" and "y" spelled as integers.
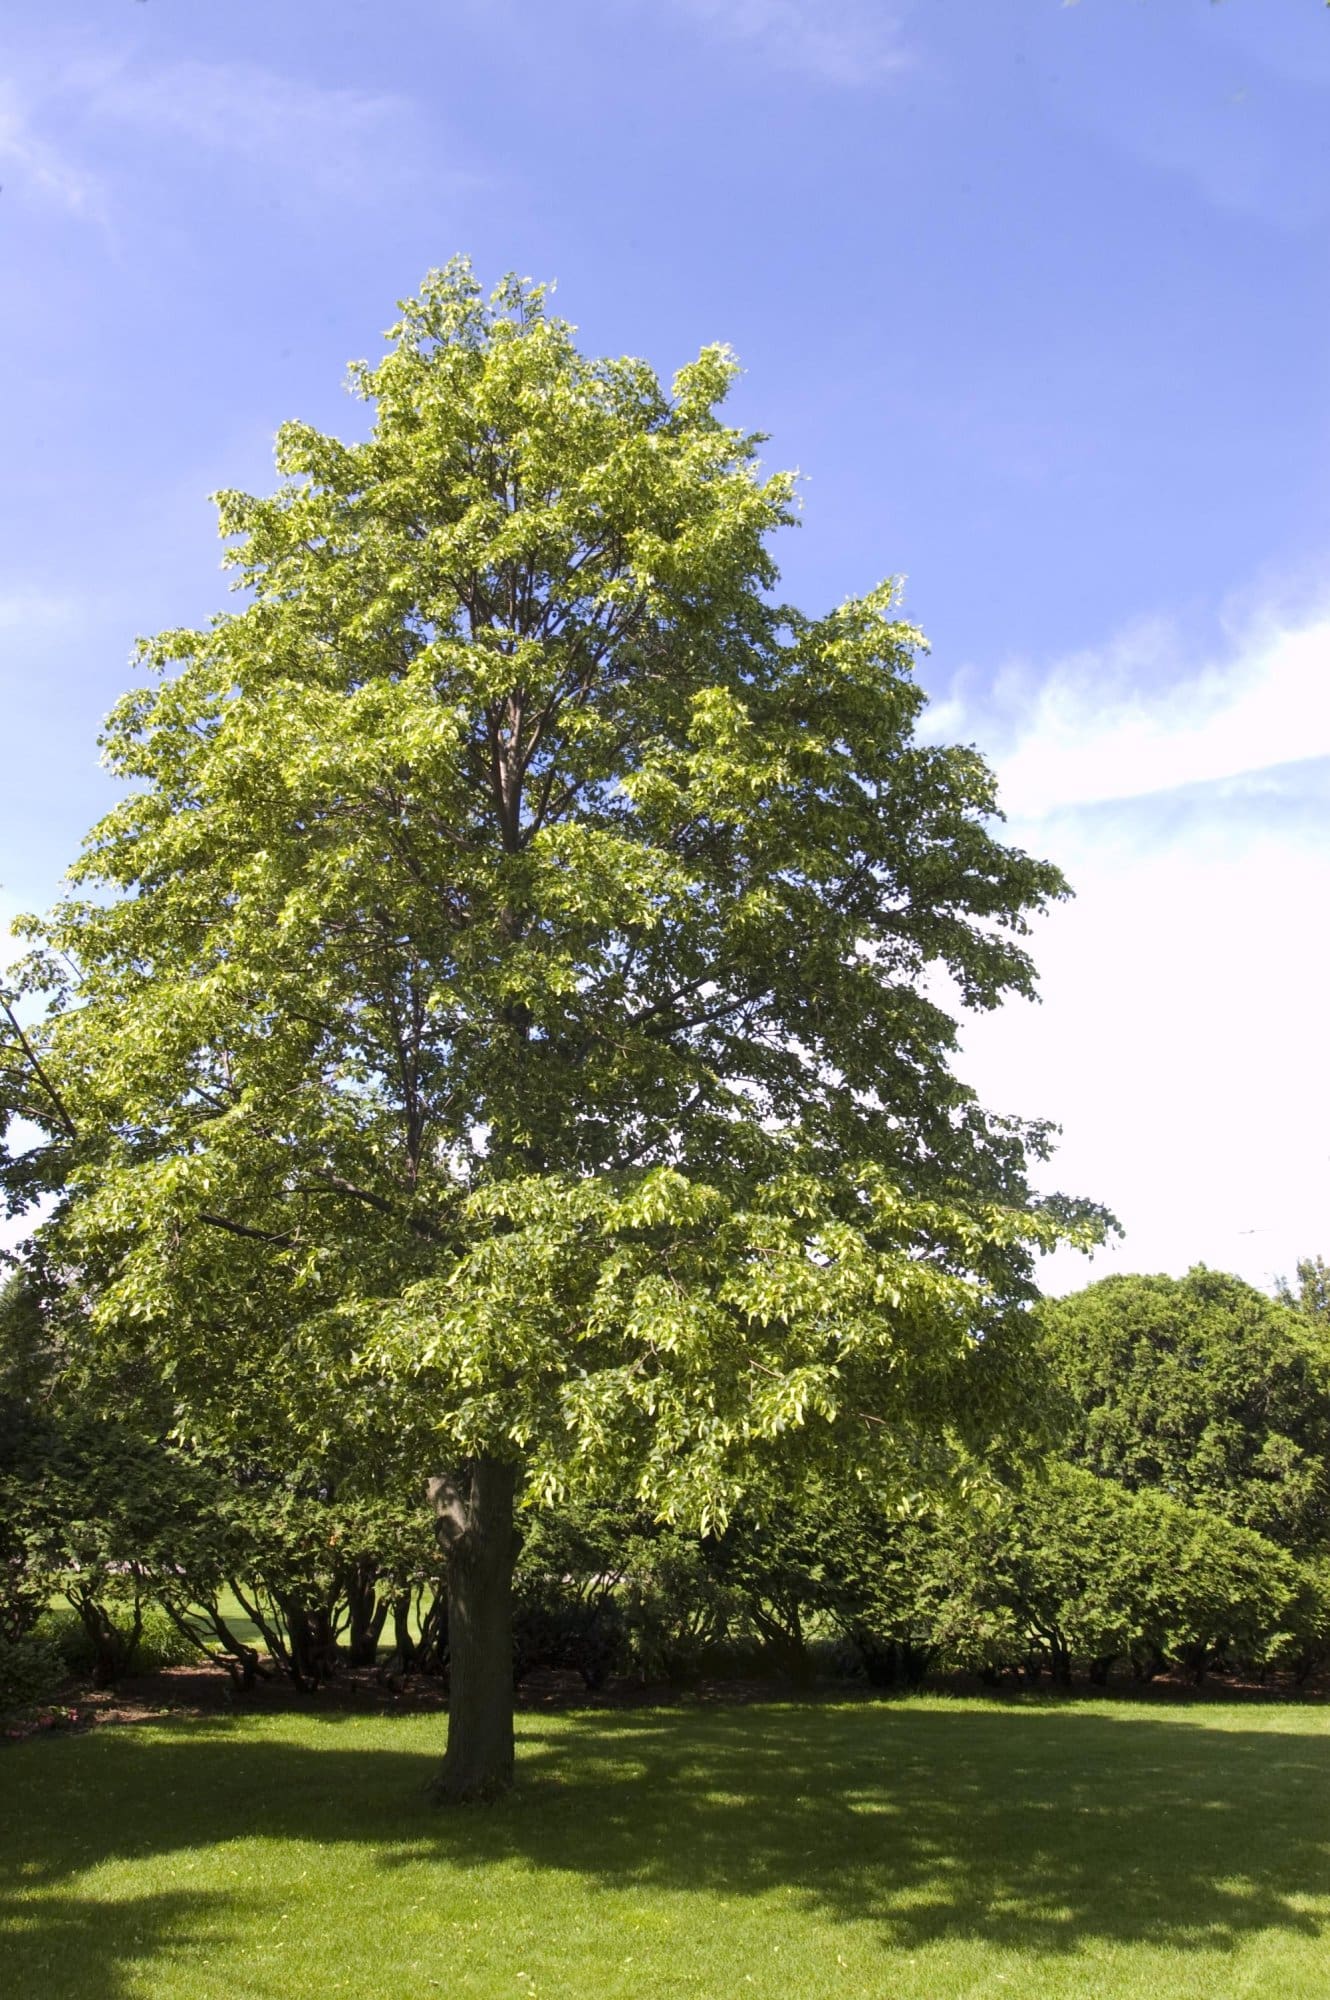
{"x": 912, "y": 1850}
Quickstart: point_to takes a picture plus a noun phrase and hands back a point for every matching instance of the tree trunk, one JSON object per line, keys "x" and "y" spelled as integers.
{"x": 880, "y": 1657}
{"x": 368, "y": 1608}
{"x": 474, "y": 1513}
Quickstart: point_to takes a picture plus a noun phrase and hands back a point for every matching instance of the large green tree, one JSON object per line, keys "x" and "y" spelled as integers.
{"x": 496, "y": 1017}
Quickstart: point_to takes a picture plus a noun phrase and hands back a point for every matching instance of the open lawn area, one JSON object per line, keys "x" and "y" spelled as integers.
{"x": 911, "y": 1850}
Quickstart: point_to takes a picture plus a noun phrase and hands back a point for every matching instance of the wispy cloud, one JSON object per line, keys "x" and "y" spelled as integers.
{"x": 28, "y": 611}
{"x": 316, "y": 143}
{"x": 320, "y": 137}
{"x": 39, "y": 166}
{"x": 1234, "y": 107}
{"x": 850, "y": 42}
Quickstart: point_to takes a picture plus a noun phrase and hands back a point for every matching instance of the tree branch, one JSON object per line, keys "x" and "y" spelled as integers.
{"x": 244, "y": 1229}
{"x": 419, "y": 1224}
{"x": 62, "y": 1110}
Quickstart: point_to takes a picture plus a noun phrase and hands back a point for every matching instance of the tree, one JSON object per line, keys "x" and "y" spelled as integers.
{"x": 28, "y": 1575}
{"x": 1312, "y": 1296}
{"x": 492, "y": 1027}
{"x": 1205, "y": 1388}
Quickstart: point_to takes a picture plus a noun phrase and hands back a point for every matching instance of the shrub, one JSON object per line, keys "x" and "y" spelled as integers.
{"x": 31, "y": 1670}
{"x": 553, "y": 1628}
{"x": 160, "y": 1643}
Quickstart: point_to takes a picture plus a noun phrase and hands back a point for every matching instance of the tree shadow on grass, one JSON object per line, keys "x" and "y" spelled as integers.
{"x": 1033, "y": 1829}
{"x": 96, "y": 1949}
{"x": 1039, "y": 1829}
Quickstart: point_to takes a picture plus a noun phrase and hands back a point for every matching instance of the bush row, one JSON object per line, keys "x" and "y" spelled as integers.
{"x": 149, "y": 1557}
{"x": 1188, "y": 1528}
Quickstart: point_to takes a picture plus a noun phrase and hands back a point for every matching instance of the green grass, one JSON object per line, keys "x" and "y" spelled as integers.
{"x": 920, "y": 1850}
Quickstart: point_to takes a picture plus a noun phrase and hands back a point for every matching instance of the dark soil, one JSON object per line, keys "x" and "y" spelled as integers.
{"x": 207, "y": 1690}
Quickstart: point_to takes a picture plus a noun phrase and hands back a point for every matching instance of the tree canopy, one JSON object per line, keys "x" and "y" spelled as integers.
{"x": 1206, "y": 1388}
{"x": 1311, "y": 1295}
{"x": 494, "y": 1021}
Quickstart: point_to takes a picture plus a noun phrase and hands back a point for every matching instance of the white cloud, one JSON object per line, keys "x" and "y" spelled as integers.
{"x": 1181, "y": 1039}
{"x": 1118, "y": 722}
{"x": 1180, "y": 1047}
{"x": 841, "y": 41}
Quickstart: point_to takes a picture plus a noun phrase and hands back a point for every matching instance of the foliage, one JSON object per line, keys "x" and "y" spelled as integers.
{"x": 1068, "y": 1573}
{"x": 609, "y": 1586}
{"x": 27, "y": 1363}
{"x": 1077, "y": 1572}
{"x": 892, "y": 1589}
{"x": 775, "y": 1567}
{"x": 318, "y": 1575}
{"x": 1311, "y": 1295}
{"x": 31, "y": 1669}
{"x": 160, "y": 1642}
{"x": 148, "y": 1543}
{"x": 498, "y": 1025}
{"x": 554, "y": 1628}
{"x": 1204, "y": 1388}
{"x": 1187, "y": 1584}
{"x": 113, "y": 1504}
{"x": 141, "y": 1537}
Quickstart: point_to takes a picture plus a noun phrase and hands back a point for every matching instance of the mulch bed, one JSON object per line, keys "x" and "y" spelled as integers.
{"x": 206, "y": 1690}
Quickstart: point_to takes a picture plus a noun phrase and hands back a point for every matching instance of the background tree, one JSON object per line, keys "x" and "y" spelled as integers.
{"x": 1311, "y": 1293}
{"x": 28, "y": 1574}
{"x": 495, "y": 1018}
{"x": 1205, "y": 1388}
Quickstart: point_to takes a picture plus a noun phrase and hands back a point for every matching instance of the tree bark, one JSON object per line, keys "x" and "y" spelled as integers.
{"x": 368, "y": 1606}
{"x": 474, "y": 1513}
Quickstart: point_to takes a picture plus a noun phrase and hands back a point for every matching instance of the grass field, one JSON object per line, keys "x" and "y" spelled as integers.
{"x": 915, "y": 1850}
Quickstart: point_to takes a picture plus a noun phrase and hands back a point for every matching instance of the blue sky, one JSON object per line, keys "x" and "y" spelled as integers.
{"x": 1035, "y": 296}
